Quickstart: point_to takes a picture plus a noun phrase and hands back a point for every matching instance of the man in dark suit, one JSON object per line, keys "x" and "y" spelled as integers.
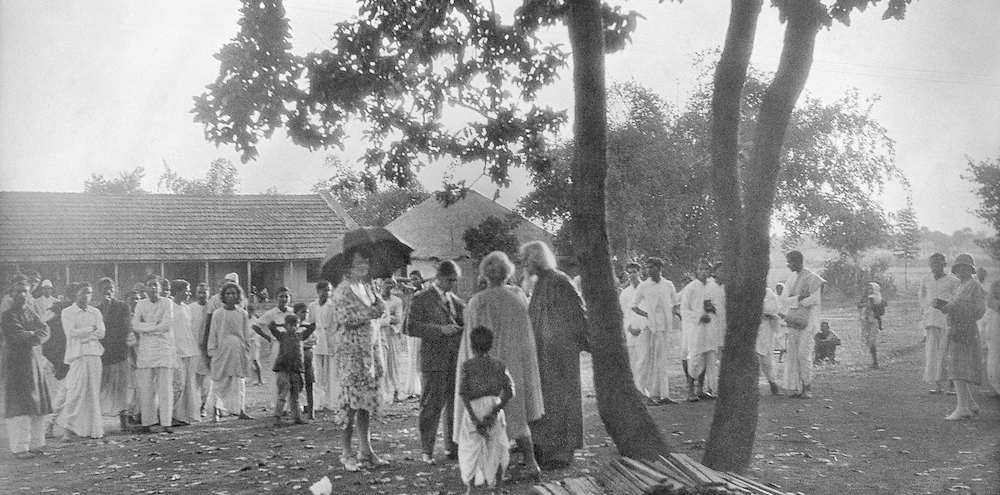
{"x": 435, "y": 317}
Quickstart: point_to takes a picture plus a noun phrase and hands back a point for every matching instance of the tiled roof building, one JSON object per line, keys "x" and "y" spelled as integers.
{"x": 86, "y": 235}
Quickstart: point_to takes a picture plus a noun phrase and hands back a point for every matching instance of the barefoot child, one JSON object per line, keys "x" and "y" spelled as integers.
{"x": 288, "y": 365}
{"x": 484, "y": 387}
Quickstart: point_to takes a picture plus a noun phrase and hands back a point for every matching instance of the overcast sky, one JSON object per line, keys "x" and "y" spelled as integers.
{"x": 85, "y": 89}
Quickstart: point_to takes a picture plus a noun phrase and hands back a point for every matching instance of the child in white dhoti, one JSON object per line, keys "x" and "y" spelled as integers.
{"x": 485, "y": 387}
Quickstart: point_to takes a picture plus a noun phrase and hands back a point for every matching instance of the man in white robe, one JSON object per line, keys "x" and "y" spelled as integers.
{"x": 324, "y": 365}
{"x": 199, "y": 329}
{"x": 84, "y": 328}
{"x": 659, "y": 297}
{"x": 804, "y": 290}
{"x": 699, "y": 308}
{"x": 187, "y": 396}
{"x": 633, "y": 323}
{"x": 936, "y": 285}
{"x": 156, "y": 357}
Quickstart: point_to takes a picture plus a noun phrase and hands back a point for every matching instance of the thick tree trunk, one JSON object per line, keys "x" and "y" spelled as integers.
{"x": 618, "y": 402}
{"x": 734, "y": 425}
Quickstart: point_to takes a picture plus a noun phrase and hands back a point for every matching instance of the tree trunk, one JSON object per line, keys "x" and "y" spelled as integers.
{"x": 618, "y": 402}
{"x": 734, "y": 424}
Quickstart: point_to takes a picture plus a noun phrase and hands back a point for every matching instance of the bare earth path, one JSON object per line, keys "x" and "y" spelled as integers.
{"x": 865, "y": 431}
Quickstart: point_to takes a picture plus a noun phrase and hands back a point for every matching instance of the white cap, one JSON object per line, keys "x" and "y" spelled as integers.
{"x": 46, "y": 283}
{"x": 232, "y": 277}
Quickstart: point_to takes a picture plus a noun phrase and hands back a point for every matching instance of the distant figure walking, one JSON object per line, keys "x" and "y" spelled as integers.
{"x": 870, "y": 312}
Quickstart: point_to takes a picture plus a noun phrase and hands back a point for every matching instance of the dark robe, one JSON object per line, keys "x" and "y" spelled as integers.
{"x": 117, "y": 324}
{"x": 54, "y": 349}
{"x": 24, "y": 381}
{"x": 558, "y": 319}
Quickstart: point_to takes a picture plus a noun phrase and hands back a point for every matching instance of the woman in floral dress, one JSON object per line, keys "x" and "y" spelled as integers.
{"x": 357, "y": 309}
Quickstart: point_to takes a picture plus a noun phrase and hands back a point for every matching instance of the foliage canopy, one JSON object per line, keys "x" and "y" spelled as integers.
{"x": 986, "y": 174}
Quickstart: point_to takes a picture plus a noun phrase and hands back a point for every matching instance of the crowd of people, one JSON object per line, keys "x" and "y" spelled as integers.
{"x": 504, "y": 366}
{"x": 501, "y": 367}
{"x": 652, "y": 308}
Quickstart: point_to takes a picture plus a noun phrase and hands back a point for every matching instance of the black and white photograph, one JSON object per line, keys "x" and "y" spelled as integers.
{"x": 547, "y": 247}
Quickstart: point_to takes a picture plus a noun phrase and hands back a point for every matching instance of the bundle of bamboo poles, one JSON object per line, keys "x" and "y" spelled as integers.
{"x": 676, "y": 474}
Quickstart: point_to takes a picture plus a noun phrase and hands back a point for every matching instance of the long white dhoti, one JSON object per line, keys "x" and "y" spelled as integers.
{"x": 232, "y": 391}
{"x": 798, "y": 366}
{"x": 409, "y": 383}
{"x": 81, "y": 413}
{"x": 156, "y": 395}
{"x": 187, "y": 397}
{"x": 651, "y": 372}
{"x": 935, "y": 352}
{"x": 327, "y": 384}
{"x": 480, "y": 457}
{"x": 116, "y": 385}
{"x": 389, "y": 354}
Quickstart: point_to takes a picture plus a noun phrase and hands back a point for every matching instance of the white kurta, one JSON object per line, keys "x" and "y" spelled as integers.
{"x": 768, "y": 324}
{"x": 935, "y": 325}
{"x": 798, "y": 366}
{"x": 324, "y": 366}
{"x": 697, "y": 337}
{"x": 154, "y": 324}
{"x": 187, "y": 394}
{"x": 657, "y": 299}
{"x": 634, "y": 322}
{"x": 199, "y": 329}
{"x": 81, "y": 412}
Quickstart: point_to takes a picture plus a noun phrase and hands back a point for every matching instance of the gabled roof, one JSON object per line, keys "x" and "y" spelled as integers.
{"x": 436, "y": 232}
{"x": 72, "y": 227}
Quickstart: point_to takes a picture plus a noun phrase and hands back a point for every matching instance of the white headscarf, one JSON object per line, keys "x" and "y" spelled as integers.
{"x": 876, "y": 292}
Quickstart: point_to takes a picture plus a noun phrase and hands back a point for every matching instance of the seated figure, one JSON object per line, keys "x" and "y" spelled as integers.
{"x": 826, "y": 345}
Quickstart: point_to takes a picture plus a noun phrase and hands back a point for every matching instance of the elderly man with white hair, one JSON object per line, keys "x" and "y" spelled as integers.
{"x": 558, "y": 318}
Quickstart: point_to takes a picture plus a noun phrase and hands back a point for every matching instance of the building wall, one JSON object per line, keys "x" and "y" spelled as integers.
{"x": 294, "y": 277}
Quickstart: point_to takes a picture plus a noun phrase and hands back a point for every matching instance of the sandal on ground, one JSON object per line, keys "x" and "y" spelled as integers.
{"x": 244, "y": 415}
{"x": 427, "y": 459}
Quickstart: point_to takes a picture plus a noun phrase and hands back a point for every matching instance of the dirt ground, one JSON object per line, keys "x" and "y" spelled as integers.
{"x": 865, "y": 431}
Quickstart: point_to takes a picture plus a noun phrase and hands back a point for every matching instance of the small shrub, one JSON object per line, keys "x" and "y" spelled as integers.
{"x": 849, "y": 279}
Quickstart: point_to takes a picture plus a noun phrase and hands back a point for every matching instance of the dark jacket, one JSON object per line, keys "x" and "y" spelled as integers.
{"x": 54, "y": 349}
{"x": 117, "y": 324}
{"x": 426, "y": 318}
{"x": 27, "y": 393}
